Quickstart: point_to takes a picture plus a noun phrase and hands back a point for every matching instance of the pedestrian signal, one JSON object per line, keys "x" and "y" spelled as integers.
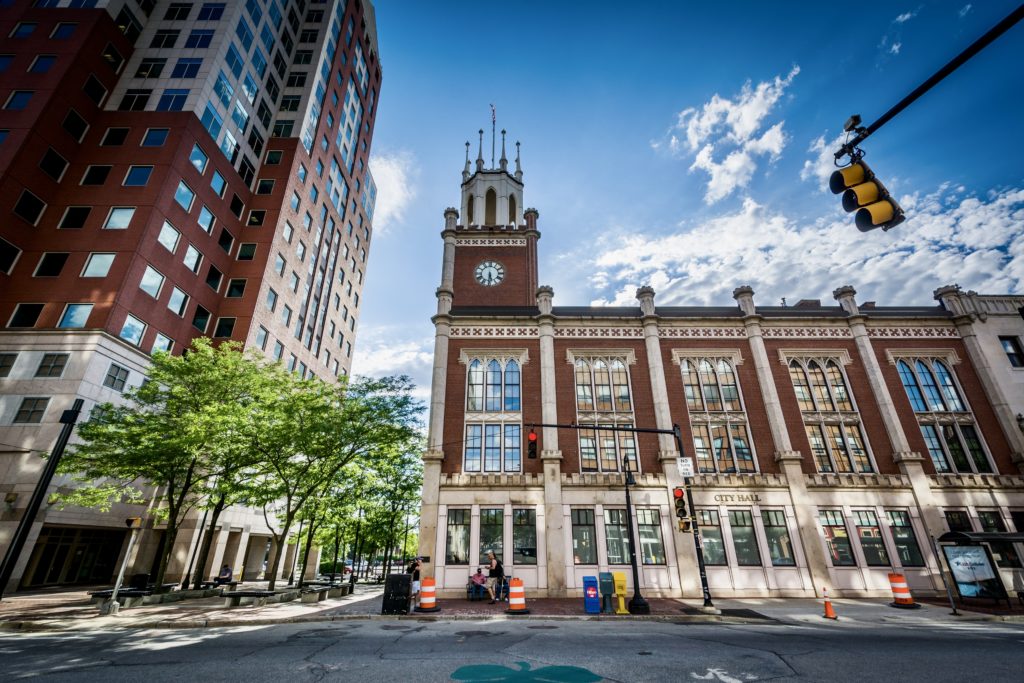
{"x": 864, "y": 193}
{"x": 679, "y": 494}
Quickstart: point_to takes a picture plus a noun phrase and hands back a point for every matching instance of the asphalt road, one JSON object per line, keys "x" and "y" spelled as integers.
{"x": 555, "y": 651}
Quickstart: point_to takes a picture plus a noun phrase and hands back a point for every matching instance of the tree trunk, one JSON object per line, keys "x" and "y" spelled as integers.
{"x": 305, "y": 552}
{"x": 199, "y": 575}
{"x": 282, "y": 547}
{"x": 337, "y": 547}
{"x": 170, "y": 535}
{"x": 369, "y": 561}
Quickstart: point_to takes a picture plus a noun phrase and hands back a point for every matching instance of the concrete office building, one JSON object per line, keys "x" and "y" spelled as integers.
{"x": 831, "y": 442}
{"x": 170, "y": 170}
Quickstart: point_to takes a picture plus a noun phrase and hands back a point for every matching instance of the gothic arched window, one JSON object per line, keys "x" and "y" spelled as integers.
{"x": 717, "y": 419}
{"x": 491, "y": 207}
{"x": 603, "y": 400}
{"x": 512, "y": 210}
{"x": 493, "y": 419}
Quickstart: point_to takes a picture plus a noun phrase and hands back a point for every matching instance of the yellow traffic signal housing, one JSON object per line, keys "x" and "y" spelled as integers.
{"x": 864, "y": 193}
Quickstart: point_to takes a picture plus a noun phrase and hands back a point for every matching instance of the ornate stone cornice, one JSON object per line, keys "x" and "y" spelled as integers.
{"x": 948, "y": 355}
{"x": 521, "y": 356}
{"x": 916, "y": 332}
{"x": 626, "y": 355}
{"x": 517, "y": 332}
{"x": 840, "y": 355}
{"x": 733, "y": 355}
{"x": 495, "y": 241}
{"x": 791, "y": 332}
{"x": 701, "y": 332}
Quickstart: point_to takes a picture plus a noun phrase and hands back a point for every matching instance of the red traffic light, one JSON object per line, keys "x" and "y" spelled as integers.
{"x": 678, "y": 492}
{"x": 532, "y": 436}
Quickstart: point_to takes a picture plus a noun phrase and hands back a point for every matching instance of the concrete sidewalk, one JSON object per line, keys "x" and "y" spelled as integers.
{"x": 72, "y": 611}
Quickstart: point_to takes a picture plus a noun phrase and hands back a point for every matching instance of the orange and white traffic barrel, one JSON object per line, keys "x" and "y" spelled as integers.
{"x": 428, "y": 596}
{"x": 516, "y": 598}
{"x": 901, "y": 592}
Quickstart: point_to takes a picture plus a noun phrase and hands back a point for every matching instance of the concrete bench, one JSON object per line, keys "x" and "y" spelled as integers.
{"x": 339, "y": 591}
{"x": 315, "y": 593}
{"x": 126, "y": 597}
{"x": 245, "y": 598}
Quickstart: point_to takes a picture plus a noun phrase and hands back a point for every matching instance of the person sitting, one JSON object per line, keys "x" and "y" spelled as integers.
{"x": 477, "y": 584}
{"x": 225, "y": 575}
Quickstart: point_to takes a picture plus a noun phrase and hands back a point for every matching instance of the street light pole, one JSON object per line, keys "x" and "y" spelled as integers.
{"x": 637, "y": 604}
{"x": 694, "y": 526}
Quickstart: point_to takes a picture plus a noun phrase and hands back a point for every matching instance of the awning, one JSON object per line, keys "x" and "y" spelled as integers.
{"x": 977, "y": 536}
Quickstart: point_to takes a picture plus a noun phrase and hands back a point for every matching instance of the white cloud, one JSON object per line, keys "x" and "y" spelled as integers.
{"x": 949, "y": 237}
{"x": 905, "y": 17}
{"x": 390, "y": 350}
{"x": 964, "y": 10}
{"x": 820, "y": 168}
{"x": 733, "y": 124}
{"x": 395, "y": 175}
{"x": 894, "y": 49}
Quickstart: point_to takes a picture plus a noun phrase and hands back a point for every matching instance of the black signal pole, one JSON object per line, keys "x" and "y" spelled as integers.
{"x": 68, "y": 418}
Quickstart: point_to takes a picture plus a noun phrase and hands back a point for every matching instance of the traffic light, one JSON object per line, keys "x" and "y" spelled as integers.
{"x": 679, "y": 494}
{"x": 864, "y": 193}
{"x": 531, "y": 445}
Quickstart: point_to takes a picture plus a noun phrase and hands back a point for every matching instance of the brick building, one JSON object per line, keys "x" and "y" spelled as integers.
{"x": 171, "y": 170}
{"x": 831, "y": 442}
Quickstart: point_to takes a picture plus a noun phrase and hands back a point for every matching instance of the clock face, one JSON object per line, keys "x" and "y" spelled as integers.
{"x": 490, "y": 273}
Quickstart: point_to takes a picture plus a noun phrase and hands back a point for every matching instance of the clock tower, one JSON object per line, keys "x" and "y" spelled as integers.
{"x": 490, "y": 256}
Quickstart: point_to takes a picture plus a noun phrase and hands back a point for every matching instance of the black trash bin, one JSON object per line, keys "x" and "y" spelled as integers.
{"x": 397, "y": 591}
{"x": 139, "y": 581}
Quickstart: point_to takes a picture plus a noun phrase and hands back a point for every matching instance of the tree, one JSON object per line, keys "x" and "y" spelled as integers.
{"x": 177, "y": 429}
{"x": 313, "y": 430}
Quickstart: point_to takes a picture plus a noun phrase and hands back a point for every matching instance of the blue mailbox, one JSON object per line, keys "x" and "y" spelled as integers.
{"x": 591, "y": 597}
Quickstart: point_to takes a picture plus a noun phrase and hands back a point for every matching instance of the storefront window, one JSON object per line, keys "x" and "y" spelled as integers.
{"x": 777, "y": 534}
{"x": 837, "y": 539}
{"x": 871, "y": 538}
{"x": 584, "y": 537}
{"x": 711, "y": 538}
{"x": 903, "y": 536}
{"x": 649, "y": 526}
{"x": 492, "y": 533}
{"x": 457, "y": 546}
{"x": 616, "y": 538}
{"x": 958, "y": 520}
{"x": 524, "y": 536}
{"x": 744, "y": 539}
{"x": 1004, "y": 553}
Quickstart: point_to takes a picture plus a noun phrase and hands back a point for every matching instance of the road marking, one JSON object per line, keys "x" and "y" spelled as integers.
{"x": 716, "y": 674}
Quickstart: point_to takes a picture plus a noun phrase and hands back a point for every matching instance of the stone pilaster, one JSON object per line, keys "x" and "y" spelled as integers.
{"x": 428, "y": 510}
{"x": 551, "y": 455}
{"x": 789, "y": 460}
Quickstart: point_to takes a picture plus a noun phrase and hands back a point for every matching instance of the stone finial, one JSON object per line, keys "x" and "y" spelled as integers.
{"x": 545, "y": 294}
{"x": 744, "y": 296}
{"x": 845, "y": 295}
{"x": 465, "y": 169}
{"x": 531, "y": 215}
{"x": 503, "y": 161}
{"x": 451, "y": 218}
{"x": 519, "y": 170}
{"x": 951, "y": 298}
{"x": 480, "y": 152}
{"x": 645, "y": 295}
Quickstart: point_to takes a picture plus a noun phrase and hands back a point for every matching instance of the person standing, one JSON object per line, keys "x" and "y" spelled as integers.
{"x": 495, "y": 575}
{"x": 414, "y": 570}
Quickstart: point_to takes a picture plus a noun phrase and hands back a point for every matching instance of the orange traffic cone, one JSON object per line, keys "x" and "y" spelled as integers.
{"x": 428, "y": 596}
{"x": 516, "y": 598}
{"x": 829, "y": 612}
{"x": 901, "y": 596}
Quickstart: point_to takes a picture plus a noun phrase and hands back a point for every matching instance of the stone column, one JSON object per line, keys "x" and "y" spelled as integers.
{"x": 686, "y": 554}
{"x": 789, "y": 460}
{"x": 435, "y": 434}
{"x": 965, "y": 315}
{"x": 551, "y": 455}
{"x": 911, "y": 463}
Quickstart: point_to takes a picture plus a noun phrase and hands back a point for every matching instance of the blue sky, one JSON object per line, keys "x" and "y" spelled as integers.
{"x": 687, "y": 146}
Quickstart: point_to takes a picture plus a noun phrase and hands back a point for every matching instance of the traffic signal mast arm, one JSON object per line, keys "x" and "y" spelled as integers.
{"x": 975, "y": 47}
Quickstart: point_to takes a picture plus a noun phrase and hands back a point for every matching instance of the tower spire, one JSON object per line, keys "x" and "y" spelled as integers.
{"x": 465, "y": 169}
{"x": 519, "y": 170}
{"x": 480, "y": 152}
{"x": 504, "y": 161}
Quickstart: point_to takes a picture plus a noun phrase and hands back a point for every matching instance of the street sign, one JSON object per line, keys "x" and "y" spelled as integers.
{"x": 685, "y": 466}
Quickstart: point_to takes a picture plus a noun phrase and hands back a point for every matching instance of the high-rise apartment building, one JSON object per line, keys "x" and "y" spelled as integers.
{"x": 171, "y": 170}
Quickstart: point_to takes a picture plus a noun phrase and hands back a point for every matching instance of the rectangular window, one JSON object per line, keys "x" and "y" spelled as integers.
{"x": 524, "y": 535}
{"x": 119, "y": 218}
{"x": 151, "y": 282}
{"x": 744, "y": 538}
{"x": 187, "y": 67}
{"x": 211, "y": 11}
{"x": 777, "y": 534}
{"x": 63, "y": 30}
{"x": 199, "y": 38}
{"x": 51, "y": 264}
{"x": 1012, "y": 349}
{"x": 214, "y": 277}
{"x": 616, "y": 536}
{"x": 137, "y": 176}
{"x": 6, "y": 363}
{"x": 201, "y": 319}
{"x": 261, "y": 337}
{"x": 178, "y": 302}
{"x": 169, "y": 237}
{"x": 1003, "y": 552}
{"x": 75, "y": 316}
{"x": 23, "y": 29}
{"x": 246, "y": 251}
{"x": 8, "y": 256}
{"x": 870, "y": 535}
{"x": 457, "y": 538}
{"x": 150, "y": 67}
{"x": 25, "y": 315}
{"x": 193, "y": 259}
{"x": 206, "y": 219}
{"x": 162, "y": 342}
{"x": 114, "y": 137}
{"x": 52, "y": 365}
{"x": 224, "y": 327}
{"x": 958, "y": 520}
{"x": 218, "y": 183}
{"x": 649, "y": 527}
{"x": 98, "y": 264}
{"x": 184, "y": 196}
{"x": 904, "y": 539}
{"x": 166, "y": 38}
{"x": 492, "y": 533}
{"x": 198, "y": 158}
{"x": 42, "y": 63}
{"x": 95, "y": 175}
{"x": 172, "y": 99}
{"x": 94, "y": 90}
{"x": 178, "y": 11}
{"x": 29, "y": 207}
{"x": 18, "y": 100}
{"x": 837, "y": 539}
{"x": 584, "y": 536}
{"x": 133, "y": 330}
{"x": 155, "y": 137}
{"x": 31, "y": 410}
{"x": 236, "y": 289}
{"x": 74, "y": 217}
{"x": 75, "y": 125}
{"x": 116, "y": 377}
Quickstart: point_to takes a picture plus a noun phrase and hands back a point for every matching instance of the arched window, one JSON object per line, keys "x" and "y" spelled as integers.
{"x": 493, "y": 397}
{"x": 931, "y": 390}
{"x": 602, "y": 386}
{"x": 491, "y": 207}
{"x": 819, "y": 387}
{"x": 910, "y": 386}
{"x": 717, "y": 419}
{"x": 949, "y": 391}
{"x": 727, "y": 381}
{"x": 584, "y": 392}
{"x": 470, "y": 218}
{"x": 712, "y": 394}
{"x": 838, "y": 386}
{"x": 603, "y": 400}
{"x": 512, "y": 386}
{"x": 800, "y": 386}
{"x": 620, "y": 382}
{"x": 691, "y": 387}
{"x": 512, "y": 212}
{"x": 475, "y": 387}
